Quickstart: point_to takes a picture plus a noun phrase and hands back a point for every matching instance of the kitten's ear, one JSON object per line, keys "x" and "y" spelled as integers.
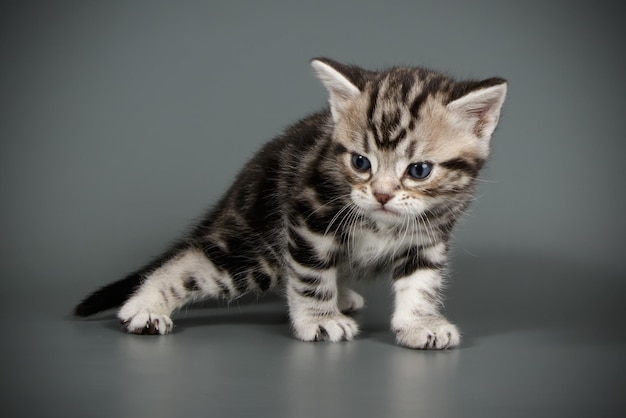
{"x": 343, "y": 82}
{"x": 479, "y": 104}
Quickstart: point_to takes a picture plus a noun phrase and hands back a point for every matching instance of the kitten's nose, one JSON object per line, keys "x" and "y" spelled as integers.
{"x": 383, "y": 197}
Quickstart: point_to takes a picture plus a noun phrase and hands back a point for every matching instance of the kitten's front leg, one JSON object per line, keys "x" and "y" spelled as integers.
{"x": 416, "y": 319}
{"x": 313, "y": 299}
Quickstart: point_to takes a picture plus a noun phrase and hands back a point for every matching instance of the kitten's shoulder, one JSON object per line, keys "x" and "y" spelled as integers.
{"x": 310, "y": 128}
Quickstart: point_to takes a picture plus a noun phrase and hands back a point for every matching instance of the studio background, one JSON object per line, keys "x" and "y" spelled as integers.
{"x": 122, "y": 122}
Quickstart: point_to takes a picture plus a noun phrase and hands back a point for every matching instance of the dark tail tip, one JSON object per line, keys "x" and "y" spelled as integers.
{"x": 84, "y": 309}
{"x": 108, "y": 297}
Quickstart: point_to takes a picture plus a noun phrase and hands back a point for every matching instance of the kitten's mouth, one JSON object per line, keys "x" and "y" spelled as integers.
{"x": 382, "y": 210}
{"x": 385, "y": 216}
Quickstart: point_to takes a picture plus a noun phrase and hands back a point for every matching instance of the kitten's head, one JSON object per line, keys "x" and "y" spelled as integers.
{"x": 413, "y": 140}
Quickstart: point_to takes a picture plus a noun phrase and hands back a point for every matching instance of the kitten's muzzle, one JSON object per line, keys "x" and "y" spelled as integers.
{"x": 383, "y": 198}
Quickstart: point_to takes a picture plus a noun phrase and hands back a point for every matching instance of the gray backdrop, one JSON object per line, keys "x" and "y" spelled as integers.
{"x": 121, "y": 122}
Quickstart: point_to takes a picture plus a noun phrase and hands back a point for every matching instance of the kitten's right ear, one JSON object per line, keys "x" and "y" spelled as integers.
{"x": 343, "y": 83}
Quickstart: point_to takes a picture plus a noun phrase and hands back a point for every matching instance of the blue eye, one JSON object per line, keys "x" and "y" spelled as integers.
{"x": 360, "y": 163}
{"x": 420, "y": 170}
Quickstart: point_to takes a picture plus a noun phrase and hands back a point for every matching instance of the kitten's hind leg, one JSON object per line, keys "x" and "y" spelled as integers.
{"x": 187, "y": 277}
{"x": 349, "y": 300}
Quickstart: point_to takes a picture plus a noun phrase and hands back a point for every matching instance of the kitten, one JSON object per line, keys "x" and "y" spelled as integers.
{"x": 378, "y": 180}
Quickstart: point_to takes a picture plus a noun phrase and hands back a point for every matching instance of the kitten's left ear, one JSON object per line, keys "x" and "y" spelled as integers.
{"x": 343, "y": 82}
{"x": 480, "y": 104}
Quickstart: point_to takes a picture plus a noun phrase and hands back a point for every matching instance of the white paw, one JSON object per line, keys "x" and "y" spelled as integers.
{"x": 332, "y": 328}
{"x": 350, "y": 301}
{"x": 137, "y": 320}
{"x": 428, "y": 334}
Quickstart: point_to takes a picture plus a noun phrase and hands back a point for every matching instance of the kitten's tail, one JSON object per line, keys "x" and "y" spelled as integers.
{"x": 115, "y": 294}
{"x": 109, "y": 296}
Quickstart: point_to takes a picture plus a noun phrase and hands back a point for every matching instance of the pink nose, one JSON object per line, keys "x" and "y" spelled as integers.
{"x": 383, "y": 197}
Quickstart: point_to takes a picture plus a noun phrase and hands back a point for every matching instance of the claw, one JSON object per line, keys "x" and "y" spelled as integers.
{"x": 151, "y": 329}
{"x": 322, "y": 334}
{"x": 146, "y": 324}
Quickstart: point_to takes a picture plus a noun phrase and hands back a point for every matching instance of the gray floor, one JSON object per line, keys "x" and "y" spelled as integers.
{"x": 535, "y": 349}
{"x": 120, "y": 122}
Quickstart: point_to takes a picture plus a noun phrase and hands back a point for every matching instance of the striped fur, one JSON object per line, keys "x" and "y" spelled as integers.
{"x": 302, "y": 216}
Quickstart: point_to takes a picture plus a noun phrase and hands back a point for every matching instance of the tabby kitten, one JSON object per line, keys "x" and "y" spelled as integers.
{"x": 378, "y": 180}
